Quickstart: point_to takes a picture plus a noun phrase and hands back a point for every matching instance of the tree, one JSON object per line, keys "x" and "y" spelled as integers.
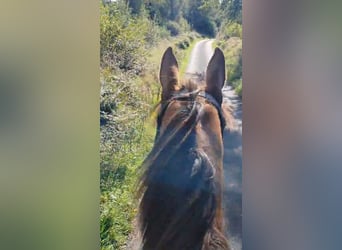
{"x": 232, "y": 10}
{"x": 135, "y": 5}
{"x": 202, "y": 16}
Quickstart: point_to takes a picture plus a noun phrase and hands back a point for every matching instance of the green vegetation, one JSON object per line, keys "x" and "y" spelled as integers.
{"x": 229, "y": 39}
{"x": 232, "y": 10}
{"x": 125, "y": 105}
{"x": 178, "y": 16}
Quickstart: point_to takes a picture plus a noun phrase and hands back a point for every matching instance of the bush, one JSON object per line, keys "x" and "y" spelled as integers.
{"x": 237, "y": 85}
{"x": 235, "y": 67}
{"x": 184, "y": 43}
{"x": 163, "y": 33}
{"x": 124, "y": 106}
{"x": 120, "y": 41}
{"x": 124, "y": 39}
{"x": 205, "y": 26}
{"x": 232, "y": 49}
{"x": 184, "y": 25}
{"x": 193, "y": 35}
{"x": 174, "y": 28}
{"x": 234, "y": 30}
{"x": 230, "y": 29}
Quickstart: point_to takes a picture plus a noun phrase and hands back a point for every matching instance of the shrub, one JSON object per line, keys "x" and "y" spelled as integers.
{"x": 205, "y": 26}
{"x": 193, "y": 35}
{"x": 124, "y": 143}
{"x": 184, "y": 43}
{"x": 184, "y": 25}
{"x": 235, "y": 67}
{"x": 233, "y": 29}
{"x": 232, "y": 49}
{"x": 237, "y": 85}
{"x": 174, "y": 28}
{"x": 124, "y": 106}
{"x": 124, "y": 39}
{"x": 230, "y": 29}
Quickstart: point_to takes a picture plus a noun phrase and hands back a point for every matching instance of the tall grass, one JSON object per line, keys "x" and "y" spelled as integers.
{"x": 125, "y": 140}
{"x": 229, "y": 40}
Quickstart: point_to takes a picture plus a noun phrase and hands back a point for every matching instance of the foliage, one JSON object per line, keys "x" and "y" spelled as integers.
{"x": 230, "y": 29}
{"x": 174, "y": 28}
{"x": 118, "y": 203}
{"x": 135, "y": 6}
{"x": 124, "y": 39}
{"x": 183, "y": 43}
{"x": 164, "y": 10}
{"x": 232, "y": 49}
{"x": 184, "y": 25}
{"x": 205, "y": 26}
{"x": 124, "y": 108}
{"x": 204, "y": 16}
{"x": 232, "y": 10}
{"x": 125, "y": 101}
{"x": 200, "y": 14}
{"x": 237, "y": 85}
{"x": 230, "y": 40}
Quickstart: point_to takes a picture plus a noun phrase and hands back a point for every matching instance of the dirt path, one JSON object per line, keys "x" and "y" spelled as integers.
{"x": 200, "y": 56}
{"x": 199, "y": 59}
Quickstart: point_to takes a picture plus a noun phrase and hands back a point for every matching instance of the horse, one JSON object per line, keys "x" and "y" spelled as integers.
{"x": 181, "y": 186}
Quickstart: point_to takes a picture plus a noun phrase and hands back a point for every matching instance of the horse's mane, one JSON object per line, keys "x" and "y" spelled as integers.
{"x": 178, "y": 187}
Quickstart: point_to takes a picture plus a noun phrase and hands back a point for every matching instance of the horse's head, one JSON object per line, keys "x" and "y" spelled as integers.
{"x": 202, "y": 101}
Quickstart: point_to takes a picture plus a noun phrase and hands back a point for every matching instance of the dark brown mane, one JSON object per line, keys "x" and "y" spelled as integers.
{"x": 181, "y": 184}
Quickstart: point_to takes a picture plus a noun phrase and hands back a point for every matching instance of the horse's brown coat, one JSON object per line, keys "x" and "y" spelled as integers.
{"x": 181, "y": 188}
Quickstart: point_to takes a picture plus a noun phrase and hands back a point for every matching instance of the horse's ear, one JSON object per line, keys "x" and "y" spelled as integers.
{"x": 216, "y": 75}
{"x": 168, "y": 74}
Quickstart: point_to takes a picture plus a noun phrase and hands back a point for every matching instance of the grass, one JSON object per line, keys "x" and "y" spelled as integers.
{"x": 232, "y": 50}
{"x": 118, "y": 203}
{"x": 125, "y": 141}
